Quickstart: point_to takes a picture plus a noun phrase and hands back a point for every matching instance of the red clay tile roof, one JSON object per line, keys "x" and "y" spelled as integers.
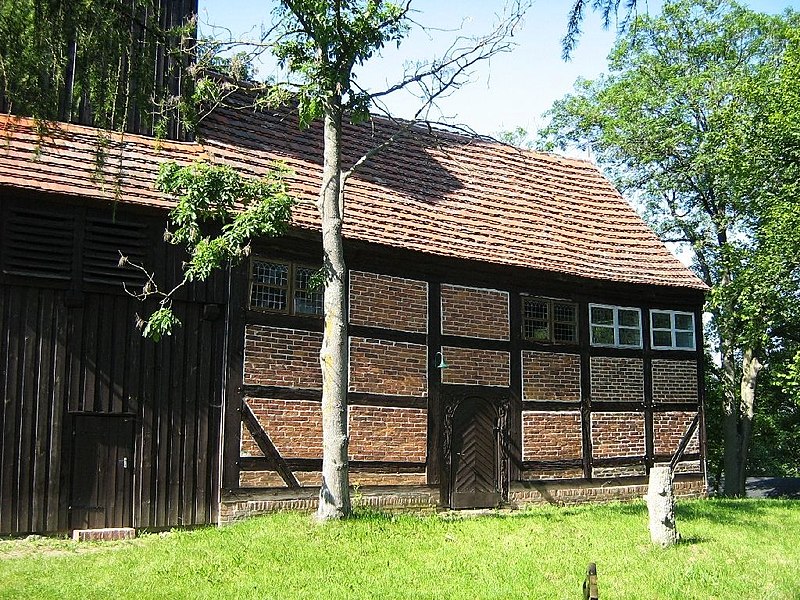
{"x": 441, "y": 194}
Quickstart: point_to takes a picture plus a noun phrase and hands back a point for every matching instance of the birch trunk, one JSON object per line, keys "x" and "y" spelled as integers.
{"x": 334, "y": 493}
{"x": 661, "y": 507}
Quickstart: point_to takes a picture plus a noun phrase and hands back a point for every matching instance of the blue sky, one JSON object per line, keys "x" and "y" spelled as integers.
{"x": 512, "y": 90}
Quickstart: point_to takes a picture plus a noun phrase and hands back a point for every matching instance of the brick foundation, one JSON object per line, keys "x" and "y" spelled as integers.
{"x": 383, "y": 367}
{"x": 476, "y": 367}
{"x": 551, "y": 376}
{"x": 674, "y": 381}
{"x": 271, "y": 479}
{"x": 565, "y": 493}
{"x": 388, "y": 302}
{"x": 282, "y": 357}
{"x": 617, "y": 379}
{"x": 474, "y": 312}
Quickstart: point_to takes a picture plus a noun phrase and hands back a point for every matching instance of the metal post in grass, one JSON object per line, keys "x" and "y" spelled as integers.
{"x": 590, "y": 583}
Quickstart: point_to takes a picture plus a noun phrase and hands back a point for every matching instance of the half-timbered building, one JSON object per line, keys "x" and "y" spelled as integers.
{"x": 516, "y": 333}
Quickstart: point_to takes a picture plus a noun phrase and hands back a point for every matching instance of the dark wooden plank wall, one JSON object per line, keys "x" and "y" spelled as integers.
{"x": 69, "y": 349}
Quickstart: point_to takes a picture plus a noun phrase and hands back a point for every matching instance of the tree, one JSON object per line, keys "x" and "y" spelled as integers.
{"x": 692, "y": 121}
{"x": 321, "y": 45}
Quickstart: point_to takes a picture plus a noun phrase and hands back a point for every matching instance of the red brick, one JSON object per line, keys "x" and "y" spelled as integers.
{"x": 474, "y": 312}
{"x": 668, "y": 429}
{"x": 384, "y": 367}
{"x": 617, "y": 434}
{"x": 551, "y": 376}
{"x": 282, "y": 357}
{"x": 294, "y": 426}
{"x": 675, "y": 381}
{"x": 617, "y": 379}
{"x": 388, "y": 302}
{"x": 388, "y": 434}
{"x": 476, "y": 367}
{"x": 551, "y": 435}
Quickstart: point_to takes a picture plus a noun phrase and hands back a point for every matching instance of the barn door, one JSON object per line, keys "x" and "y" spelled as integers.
{"x": 101, "y": 494}
{"x": 474, "y": 468}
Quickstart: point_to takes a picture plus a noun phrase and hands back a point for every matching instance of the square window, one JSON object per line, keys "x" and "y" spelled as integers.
{"x": 283, "y": 287}
{"x": 672, "y": 330}
{"x": 615, "y": 326}
{"x": 545, "y": 320}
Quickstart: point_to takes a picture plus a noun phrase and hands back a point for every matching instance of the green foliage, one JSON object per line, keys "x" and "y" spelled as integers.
{"x": 730, "y": 551}
{"x": 116, "y": 45}
{"x": 321, "y": 42}
{"x": 218, "y": 213}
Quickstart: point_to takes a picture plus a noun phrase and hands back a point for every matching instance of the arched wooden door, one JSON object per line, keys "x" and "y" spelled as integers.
{"x": 474, "y": 458}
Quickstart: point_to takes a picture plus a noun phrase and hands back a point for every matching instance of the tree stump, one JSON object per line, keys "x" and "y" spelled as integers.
{"x": 661, "y": 507}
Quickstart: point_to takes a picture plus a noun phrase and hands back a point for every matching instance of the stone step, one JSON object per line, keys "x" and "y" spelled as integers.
{"x": 106, "y": 534}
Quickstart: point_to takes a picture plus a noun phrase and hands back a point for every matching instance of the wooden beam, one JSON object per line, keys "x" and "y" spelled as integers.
{"x": 267, "y": 447}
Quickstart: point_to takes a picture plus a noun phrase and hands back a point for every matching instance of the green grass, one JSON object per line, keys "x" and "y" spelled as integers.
{"x": 731, "y": 549}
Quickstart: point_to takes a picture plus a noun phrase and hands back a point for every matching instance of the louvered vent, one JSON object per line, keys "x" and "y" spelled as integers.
{"x": 38, "y": 244}
{"x": 104, "y": 240}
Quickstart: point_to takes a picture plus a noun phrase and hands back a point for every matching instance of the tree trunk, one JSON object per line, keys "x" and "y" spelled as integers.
{"x": 730, "y": 422}
{"x": 661, "y": 507}
{"x": 739, "y": 425}
{"x": 334, "y": 493}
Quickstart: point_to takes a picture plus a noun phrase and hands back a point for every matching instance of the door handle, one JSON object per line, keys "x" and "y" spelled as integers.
{"x": 124, "y": 462}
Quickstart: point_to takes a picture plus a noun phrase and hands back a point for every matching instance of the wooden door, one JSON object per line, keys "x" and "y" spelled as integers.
{"x": 101, "y": 493}
{"x": 474, "y": 474}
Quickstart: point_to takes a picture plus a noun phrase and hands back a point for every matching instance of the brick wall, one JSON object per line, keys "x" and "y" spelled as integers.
{"x": 617, "y": 434}
{"x": 617, "y": 379}
{"x": 476, "y": 367}
{"x": 383, "y": 367}
{"x": 551, "y": 376}
{"x": 474, "y": 312}
{"x": 282, "y": 357}
{"x": 551, "y": 435}
{"x": 391, "y": 434}
{"x": 674, "y": 381}
{"x": 668, "y": 429}
{"x": 388, "y": 302}
{"x": 265, "y": 479}
{"x": 294, "y": 426}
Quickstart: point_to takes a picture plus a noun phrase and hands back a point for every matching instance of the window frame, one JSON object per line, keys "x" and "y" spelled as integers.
{"x": 291, "y": 287}
{"x": 673, "y": 330}
{"x": 551, "y": 321}
{"x": 615, "y": 326}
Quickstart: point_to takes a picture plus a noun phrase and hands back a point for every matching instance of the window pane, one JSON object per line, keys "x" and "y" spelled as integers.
{"x": 602, "y": 335}
{"x": 602, "y": 316}
{"x": 306, "y": 300}
{"x": 629, "y": 337}
{"x": 661, "y": 320}
{"x": 662, "y": 338}
{"x": 564, "y": 312}
{"x": 271, "y": 298}
{"x": 536, "y": 309}
{"x": 564, "y": 332}
{"x": 628, "y": 318}
{"x": 270, "y": 286}
{"x": 684, "y": 322}
{"x": 271, "y": 273}
{"x": 684, "y": 339}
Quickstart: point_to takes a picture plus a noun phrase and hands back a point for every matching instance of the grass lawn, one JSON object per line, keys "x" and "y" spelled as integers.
{"x": 731, "y": 549}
